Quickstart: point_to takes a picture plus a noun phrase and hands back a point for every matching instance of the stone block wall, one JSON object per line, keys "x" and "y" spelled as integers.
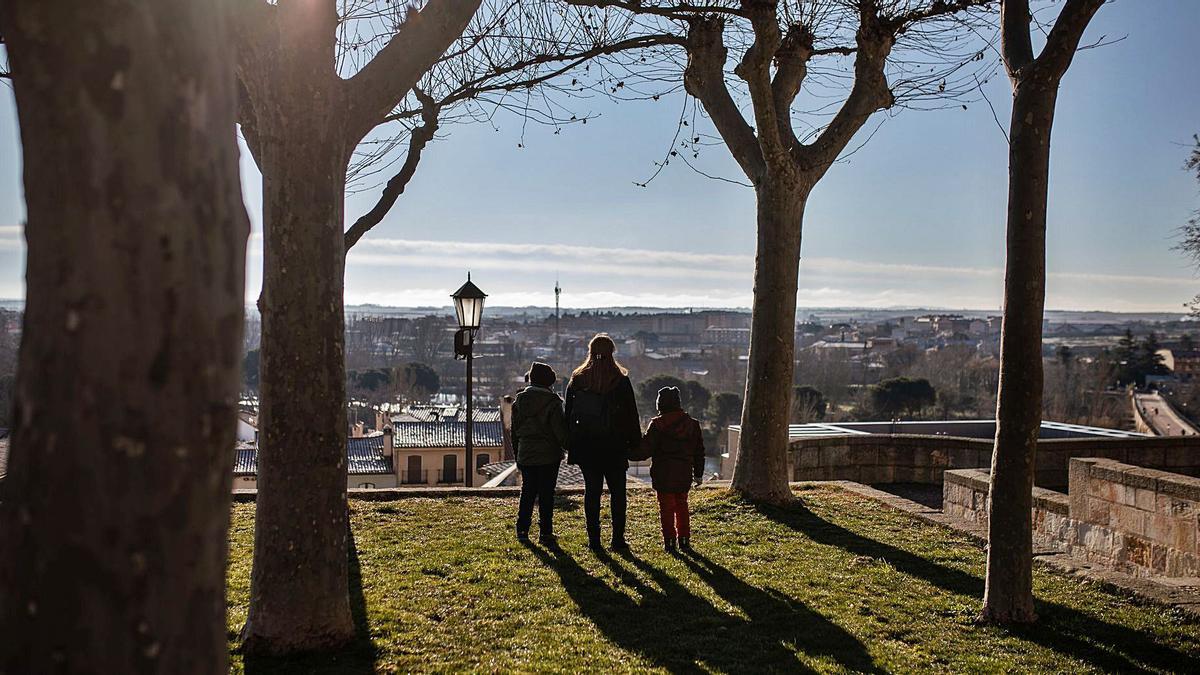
{"x": 896, "y": 458}
{"x": 1138, "y": 520}
{"x": 965, "y": 495}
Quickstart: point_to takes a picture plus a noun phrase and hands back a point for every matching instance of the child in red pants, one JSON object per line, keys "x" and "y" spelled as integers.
{"x": 674, "y": 444}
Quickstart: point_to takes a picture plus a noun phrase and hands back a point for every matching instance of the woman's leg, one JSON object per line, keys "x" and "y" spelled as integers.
{"x": 615, "y": 477}
{"x": 593, "y": 485}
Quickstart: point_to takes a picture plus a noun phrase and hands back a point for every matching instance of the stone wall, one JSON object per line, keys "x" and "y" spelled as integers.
{"x": 887, "y": 458}
{"x": 1137, "y": 520}
{"x": 965, "y": 494}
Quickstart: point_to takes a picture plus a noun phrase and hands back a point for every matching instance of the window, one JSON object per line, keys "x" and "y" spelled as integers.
{"x": 368, "y": 486}
{"x": 414, "y": 475}
{"x": 450, "y": 469}
{"x": 481, "y": 460}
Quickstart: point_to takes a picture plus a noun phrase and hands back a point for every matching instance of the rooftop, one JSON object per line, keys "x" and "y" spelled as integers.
{"x": 443, "y": 413}
{"x": 364, "y": 457}
{"x": 447, "y": 434}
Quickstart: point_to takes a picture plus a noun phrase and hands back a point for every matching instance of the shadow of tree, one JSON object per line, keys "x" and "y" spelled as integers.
{"x": 357, "y": 657}
{"x": 1066, "y": 630}
{"x": 679, "y": 630}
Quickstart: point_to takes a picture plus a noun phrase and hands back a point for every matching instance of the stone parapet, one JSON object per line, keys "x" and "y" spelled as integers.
{"x": 1138, "y": 520}
{"x": 897, "y": 458}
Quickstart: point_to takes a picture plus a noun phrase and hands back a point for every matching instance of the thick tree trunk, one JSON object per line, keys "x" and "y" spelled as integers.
{"x": 299, "y": 585}
{"x": 116, "y": 506}
{"x": 1008, "y": 596}
{"x": 762, "y": 472}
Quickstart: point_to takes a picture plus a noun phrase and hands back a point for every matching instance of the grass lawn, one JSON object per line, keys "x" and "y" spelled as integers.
{"x": 835, "y": 583}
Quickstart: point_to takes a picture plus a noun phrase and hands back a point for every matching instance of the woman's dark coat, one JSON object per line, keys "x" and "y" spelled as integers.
{"x": 675, "y": 445}
{"x": 624, "y": 424}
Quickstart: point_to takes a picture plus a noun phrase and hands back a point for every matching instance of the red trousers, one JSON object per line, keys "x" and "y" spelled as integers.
{"x": 673, "y": 511}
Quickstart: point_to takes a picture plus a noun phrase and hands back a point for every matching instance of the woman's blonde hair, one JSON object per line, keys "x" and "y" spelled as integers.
{"x": 600, "y": 371}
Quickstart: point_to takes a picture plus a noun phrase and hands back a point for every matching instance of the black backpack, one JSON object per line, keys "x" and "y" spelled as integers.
{"x": 590, "y": 416}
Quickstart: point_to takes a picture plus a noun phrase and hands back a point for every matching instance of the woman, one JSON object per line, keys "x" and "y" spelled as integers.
{"x": 603, "y": 426}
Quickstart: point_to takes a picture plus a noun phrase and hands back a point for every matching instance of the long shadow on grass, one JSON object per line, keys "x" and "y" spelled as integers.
{"x": 1066, "y": 630}
{"x": 679, "y": 630}
{"x": 356, "y": 657}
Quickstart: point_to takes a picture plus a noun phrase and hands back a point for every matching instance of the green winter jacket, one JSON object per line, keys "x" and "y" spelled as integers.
{"x": 539, "y": 429}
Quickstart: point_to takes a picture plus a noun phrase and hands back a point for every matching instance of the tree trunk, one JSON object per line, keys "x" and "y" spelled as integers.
{"x": 115, "y": 511}
{"x": 299, "y": 585}
{"x": 1008, "y": 596}
{"x": 762, "y": 471}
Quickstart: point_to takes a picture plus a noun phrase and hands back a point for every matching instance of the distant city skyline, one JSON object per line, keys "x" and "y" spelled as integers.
{"x": 914, "y": 219}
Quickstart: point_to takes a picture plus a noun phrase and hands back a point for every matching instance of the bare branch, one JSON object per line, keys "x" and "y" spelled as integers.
{"x": 681, "y": 11}
{"x": 869, "y": 93}
{"x": 1064, "y": 37}
{"x": 900, "y": 22}
{"x": 564, "y": 63}
{"x": 417, "y": 141}
{"x": 995, "y": 117}
{"x": 791, "y": 67}
{"x": 774, "y": 133}
{"x": 704, "y": 78}
{"x": 415, "y": 46}
{"x": 1016, "y": 44}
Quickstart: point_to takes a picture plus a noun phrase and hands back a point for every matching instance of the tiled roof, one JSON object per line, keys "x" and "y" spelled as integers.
{"x": 480, "y": 414}
{"x": 364, "y": 457}
{"x": 245, "y": 462}
{"x": 446, "y": 434}
{"x": 415, "y": 413}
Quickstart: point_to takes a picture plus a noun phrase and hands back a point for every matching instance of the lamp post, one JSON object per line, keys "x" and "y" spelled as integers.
{"x": 468, "y": 305}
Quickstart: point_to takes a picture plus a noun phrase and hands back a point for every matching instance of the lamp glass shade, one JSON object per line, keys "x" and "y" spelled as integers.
{"x": 468, "y": 305}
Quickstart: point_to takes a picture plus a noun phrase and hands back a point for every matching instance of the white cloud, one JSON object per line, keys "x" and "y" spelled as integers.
{"x": 11, "y": 238}
{"x": 602, "y": 276}
{"x": 417, "y": 272}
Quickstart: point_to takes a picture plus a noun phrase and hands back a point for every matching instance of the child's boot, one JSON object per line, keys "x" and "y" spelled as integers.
{"x": 685, "y": 544}
{"x": 669, "y": 545}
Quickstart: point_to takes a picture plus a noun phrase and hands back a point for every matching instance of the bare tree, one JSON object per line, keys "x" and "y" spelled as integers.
{"x": 902, "y": 52}
{"x": 115, "y": 511}
{"x": 332, "y": 90}
{"x": 1008, "y": 594}
{"x": 302, "y": 121}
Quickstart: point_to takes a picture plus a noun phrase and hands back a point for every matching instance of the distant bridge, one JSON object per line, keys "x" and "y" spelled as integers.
{"x": 1154, "y": 415}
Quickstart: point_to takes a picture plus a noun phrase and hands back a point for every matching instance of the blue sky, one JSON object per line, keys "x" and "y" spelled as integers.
{"x": 916, "y": 218}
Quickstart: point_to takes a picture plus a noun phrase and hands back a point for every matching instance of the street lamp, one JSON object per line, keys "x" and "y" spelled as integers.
{"x": 468, "y": 305}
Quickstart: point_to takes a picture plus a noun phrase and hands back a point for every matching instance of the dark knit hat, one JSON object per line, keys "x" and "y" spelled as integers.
{"x": 541, "y": 374}
{"x": 668, "y": 400}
